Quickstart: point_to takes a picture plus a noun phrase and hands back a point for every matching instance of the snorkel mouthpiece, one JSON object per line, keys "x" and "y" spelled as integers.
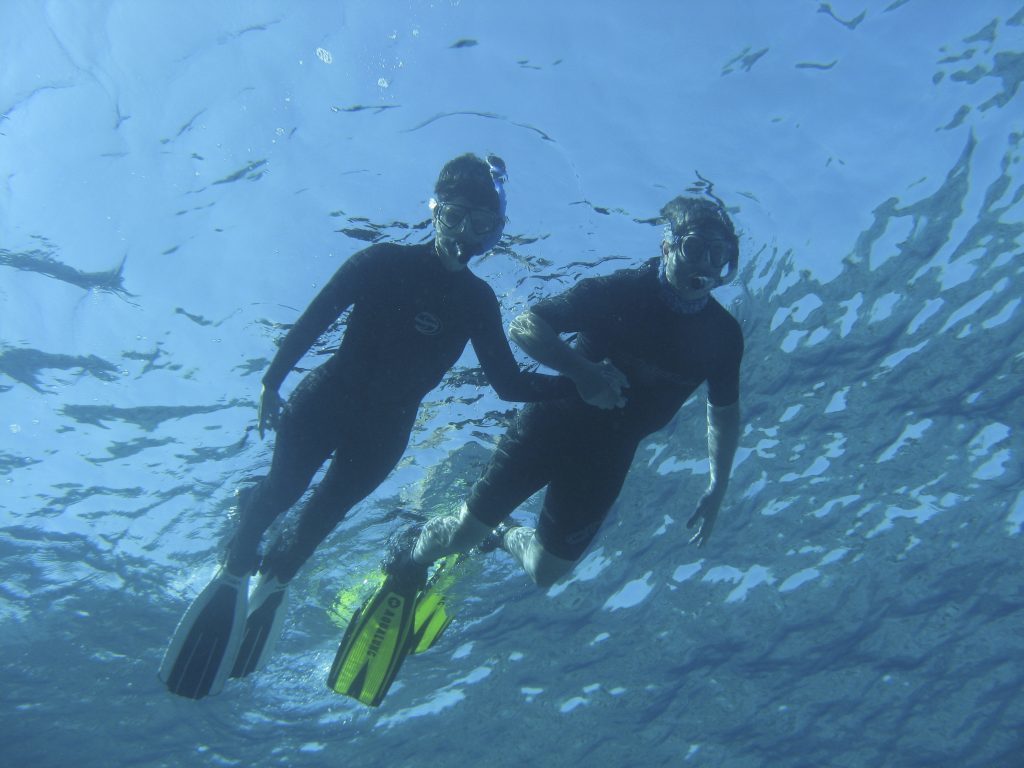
{"x": 702, "y": 282}
{"x": 670, "y": 295}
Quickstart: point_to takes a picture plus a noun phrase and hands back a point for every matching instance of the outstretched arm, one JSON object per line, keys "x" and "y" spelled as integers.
{"x": 503, "y": 373}
{"x": 599, "y": 384}
{"x": 723, "y": 439}
{"x": 332, "y": 300}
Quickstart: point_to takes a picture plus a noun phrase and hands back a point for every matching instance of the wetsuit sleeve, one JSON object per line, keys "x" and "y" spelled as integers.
{"x": 341, "y": 291}
{"x": 499, "y": 364}
{"x": 724, "y": 380}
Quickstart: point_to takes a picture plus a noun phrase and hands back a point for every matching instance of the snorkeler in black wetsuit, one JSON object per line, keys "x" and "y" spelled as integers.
{"x": 659, "y": 326}
{"x": 410, "y": 322}
{"x": 414, "y": 308}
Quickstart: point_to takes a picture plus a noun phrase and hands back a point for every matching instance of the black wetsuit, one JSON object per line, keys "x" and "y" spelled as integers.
{"x": 582, "y": 453}
{"x": 409, "y": 323}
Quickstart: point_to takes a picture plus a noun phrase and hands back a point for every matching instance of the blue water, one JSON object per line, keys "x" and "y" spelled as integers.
{"x": 178, "y": 179}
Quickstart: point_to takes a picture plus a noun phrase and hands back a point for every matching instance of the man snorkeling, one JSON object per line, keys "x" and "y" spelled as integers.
{"x": 660, "y": 327}
{"x": 413, "y": 309}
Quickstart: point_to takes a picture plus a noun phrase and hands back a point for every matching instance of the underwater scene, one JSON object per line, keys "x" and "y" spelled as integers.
{"x": 180, "y": 180}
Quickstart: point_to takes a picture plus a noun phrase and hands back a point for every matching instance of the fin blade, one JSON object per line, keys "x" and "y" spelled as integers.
{"x": 430, "y": 628}
{"x": 202, "y": 650}
{"x": 375, "y": 644}
{"x": 262, "y": 629}
{"x": 433, "y": 614}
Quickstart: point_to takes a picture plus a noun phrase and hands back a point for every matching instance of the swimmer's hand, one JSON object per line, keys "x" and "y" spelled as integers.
{"x": 270, "y": 409}
{"x": 601, "y": 385}
{"x": 706, "y": 514}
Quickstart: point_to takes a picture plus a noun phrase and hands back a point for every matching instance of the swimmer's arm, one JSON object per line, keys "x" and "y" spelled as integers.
{"x": 500, "y": 366}
{"x": 723, "y": 439}
{"x": 599, "y": 384}
{"x": 335, "y": 297}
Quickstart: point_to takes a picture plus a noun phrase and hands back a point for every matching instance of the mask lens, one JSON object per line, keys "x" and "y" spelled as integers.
{"x": 719, "y": 252}
{"x": 699, "y": 250}
{"x": 692, "y": 248}
{"x": 482, "y": 221}
{"x": 451, "y": 216}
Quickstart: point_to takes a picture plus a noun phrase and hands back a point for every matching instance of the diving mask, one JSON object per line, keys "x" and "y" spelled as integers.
{"x": 701, "y": 259}
{"x": 453, "y": 218}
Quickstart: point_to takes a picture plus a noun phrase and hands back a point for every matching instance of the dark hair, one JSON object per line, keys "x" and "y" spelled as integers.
{"x": 683, "y": 214}
{"x": 469, "y": 176}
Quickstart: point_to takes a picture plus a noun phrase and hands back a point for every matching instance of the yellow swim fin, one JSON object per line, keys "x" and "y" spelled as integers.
{"x": 377, "y": 640}
{"x": 433, "y": 614}
{"x": 399, "y": 618}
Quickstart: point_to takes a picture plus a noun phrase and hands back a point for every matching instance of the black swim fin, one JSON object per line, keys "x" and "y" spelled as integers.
{"x": 262, "y": 627}
{"x": 379, "y": 637}
{"x": 205, "y": 644}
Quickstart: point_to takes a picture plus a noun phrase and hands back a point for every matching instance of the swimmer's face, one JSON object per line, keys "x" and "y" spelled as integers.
{"x": 462, "y": 228}
{"x": 695, "y": 261}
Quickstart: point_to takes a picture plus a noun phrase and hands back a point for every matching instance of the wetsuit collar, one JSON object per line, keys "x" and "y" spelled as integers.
{"x": 676, "y": 303}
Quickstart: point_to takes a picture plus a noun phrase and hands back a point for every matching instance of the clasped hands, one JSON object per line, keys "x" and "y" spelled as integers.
{"x": 601, "y": 385}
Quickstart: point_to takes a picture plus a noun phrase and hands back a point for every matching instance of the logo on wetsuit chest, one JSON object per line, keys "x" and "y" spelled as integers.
{"x": 427, "y": 323}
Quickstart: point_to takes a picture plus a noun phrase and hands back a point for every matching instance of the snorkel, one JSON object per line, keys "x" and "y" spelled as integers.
{"x": 499, "y": 175}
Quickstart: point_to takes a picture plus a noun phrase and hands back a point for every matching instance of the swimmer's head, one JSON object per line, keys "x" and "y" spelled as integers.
{"x": 468, "y": 208}
{"x": 700, "y": 249}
